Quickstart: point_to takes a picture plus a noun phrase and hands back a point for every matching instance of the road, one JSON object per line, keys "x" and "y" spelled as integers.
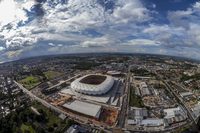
{"x": 64, "y": 81}
{"x": 124, "y": 107}
{"x": 181, "y": 102}
{"x": 39, "y": 99}
{"x": 48, "y": 105}
{"x": 43, "y": 102}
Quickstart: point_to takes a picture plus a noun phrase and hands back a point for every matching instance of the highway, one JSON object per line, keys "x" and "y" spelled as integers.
{"x": 64, "y": 81}
{"x": 181, "y": 102}
{"x": 48, "y": 105}
{"x": 124, "y": 107}
{"x": 33, "y": 96}
{"x": 39, "y": 99}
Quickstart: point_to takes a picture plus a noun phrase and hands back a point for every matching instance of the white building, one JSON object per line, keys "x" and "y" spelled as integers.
{"x": 144, "y": 89}
{"x": 103, "y": 85}
{"x": 113, "y": 73}
{"x": 186, "y": 94}
{"x": 72, "y": 129}
{"x": 172, "y": 112}
{"x": 137, "y": 115}
{"x": 84, "y": 108}
{"x": 196, "y": 110}
{"x": 152, "y": 122}
{"x": 174, "y": 115}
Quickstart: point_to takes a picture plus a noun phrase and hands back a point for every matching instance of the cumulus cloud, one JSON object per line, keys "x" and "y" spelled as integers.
{"x": 188, "y": 21}
{"x": 18, "y": 25}
{"x": 76, "y": 15}
{"x": 166, "y": 35}
{"x": 182, "y": 31}
{"x": 142, "y": 42}
{"x": 55, "y": 45}
{"x": 98, "y": 42}
{"x": 130, "y": 10}
{"x": 11, "y": 13}
{"x": 1, "y": 48}
{"x": 85, "y": 25}
{"x": 194, "y": 33}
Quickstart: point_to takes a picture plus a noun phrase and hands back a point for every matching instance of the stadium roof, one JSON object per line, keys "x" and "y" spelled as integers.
{"x": 104, "y": 84}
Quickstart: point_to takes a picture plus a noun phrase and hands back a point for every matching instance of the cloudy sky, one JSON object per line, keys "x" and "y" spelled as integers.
{"x": 42, "y": 27}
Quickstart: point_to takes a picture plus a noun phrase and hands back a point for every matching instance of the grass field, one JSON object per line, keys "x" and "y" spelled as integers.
{"x": 26, "y": 128}
{"x": 51, "y": 74}
{"x": 30, "y": 82}
{"x": 142, "y": 72}
{"x": 134, "y": 100}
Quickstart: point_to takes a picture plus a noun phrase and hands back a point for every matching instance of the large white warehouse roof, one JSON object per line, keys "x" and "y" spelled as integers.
{"x": 84, "y": 108}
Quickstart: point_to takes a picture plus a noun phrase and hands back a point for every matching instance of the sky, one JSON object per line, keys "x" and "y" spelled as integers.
{"x": 46, "y": 27}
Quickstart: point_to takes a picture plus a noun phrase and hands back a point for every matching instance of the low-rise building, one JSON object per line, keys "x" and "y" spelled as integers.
{"x": 186, "y": 94}
{"x": 72, "y": 129}
{"x": 84, "y": 108}
{"x": 196, "y": 110}
{"x": 152, "y": 122}
{"x": 174, "y": 115}
{"x": 136, "y": 115}
{"x": 144, "y": 89}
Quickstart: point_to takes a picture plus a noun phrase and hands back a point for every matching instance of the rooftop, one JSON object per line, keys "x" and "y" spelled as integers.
{"x": 152, "y": 122}
{"x": 172, "y": 112}
{"x": 84, "y": 108}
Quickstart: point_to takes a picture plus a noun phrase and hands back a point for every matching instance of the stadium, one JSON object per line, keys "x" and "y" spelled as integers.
{"x": 93, "y": 84}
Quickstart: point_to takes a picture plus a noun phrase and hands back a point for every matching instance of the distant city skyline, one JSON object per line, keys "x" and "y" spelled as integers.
{"x": 46, "y": 27}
